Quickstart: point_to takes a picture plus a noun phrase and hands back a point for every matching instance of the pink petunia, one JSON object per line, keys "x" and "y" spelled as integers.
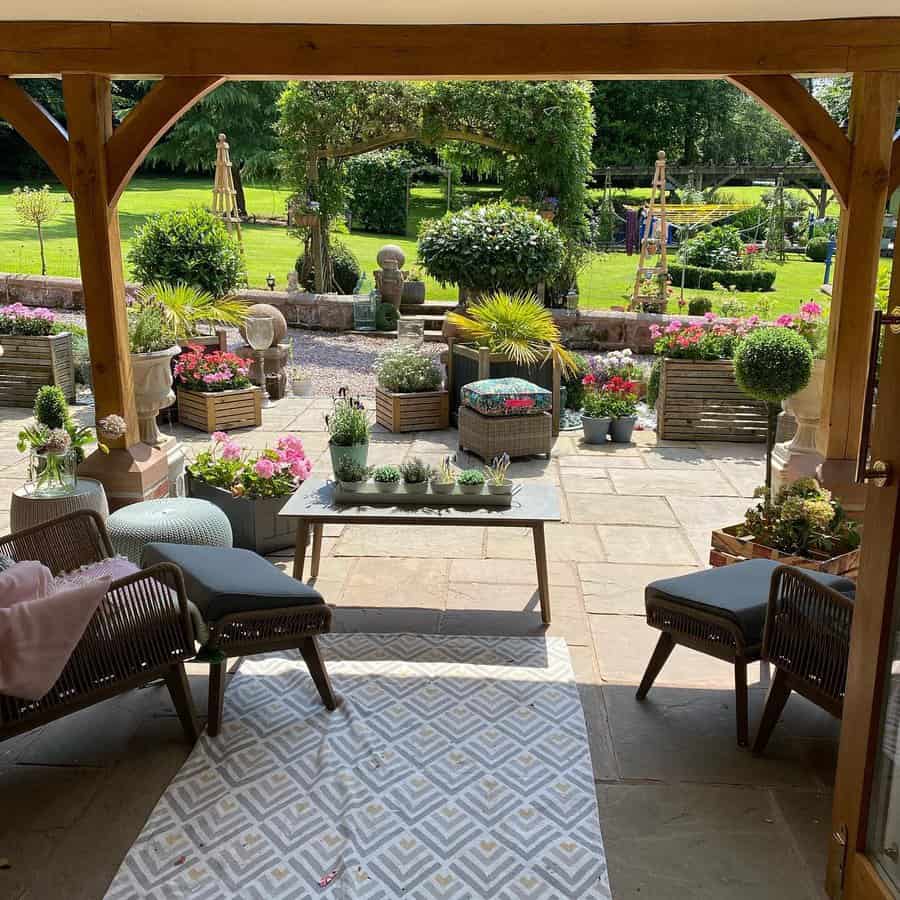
{"x": 785, "y": 320}
{"x": 265, "y": 468}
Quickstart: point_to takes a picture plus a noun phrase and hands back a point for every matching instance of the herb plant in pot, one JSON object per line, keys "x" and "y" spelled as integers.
{"x": 443, "y": 479}
{"x": 471, "y": 481}
{"x": 386, "y": 478}
{"x": 416, "y": 475}
{"x": 350, "y": 473}
{"x": 348, "y": 429}
{"x": 496, "y": 474}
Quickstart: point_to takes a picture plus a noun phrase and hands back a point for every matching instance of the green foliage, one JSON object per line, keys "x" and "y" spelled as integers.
{"x": 698, "y": 306}
{"x": 653, "y": 383}
{"x": 415, "y": 471}
{"x": 572, "y": 382}
{"x": 190, "y": 246}
{"x": 349, "y": 470}
{"x": 817, "y": 248}
{"x": 748, "y": 280}
{"x": 51, "y": 409}
{"x": 148, "y": 328}
{"x": 347, "y": 423}
{"x": 715, "y": 248}
{"x": 470, "y": 476}
{"x": 485, "y": 249}
{"x": 185, "y": 307}
{"x": 377, "y": 189}
{"x": 598, "y": 405}
{"x": 345, "y": 268}
{"x": 751, "y": 222}
{"x": 406, "y": 370}
{"x": 771, "y": 364}
{"x": 802, "y": 518}
{"x": 386, "y": 474}
{"x": 386, "y": 317}
{"x": 516, "y": 326}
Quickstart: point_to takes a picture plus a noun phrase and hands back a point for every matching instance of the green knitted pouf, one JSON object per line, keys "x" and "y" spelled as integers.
{"x": 178, "y": 520}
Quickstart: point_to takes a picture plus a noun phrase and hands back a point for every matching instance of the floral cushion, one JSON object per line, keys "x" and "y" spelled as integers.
{"x": 506, "y": 397}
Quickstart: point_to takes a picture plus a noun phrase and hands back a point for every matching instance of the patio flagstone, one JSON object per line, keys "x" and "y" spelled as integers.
{"x": 640, "y": 544}
{"x": 618, "y": 510}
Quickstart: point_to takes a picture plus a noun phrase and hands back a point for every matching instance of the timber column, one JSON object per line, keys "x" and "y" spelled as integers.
{"x": 132, "y": 471}
{"x": 873, "y": 110}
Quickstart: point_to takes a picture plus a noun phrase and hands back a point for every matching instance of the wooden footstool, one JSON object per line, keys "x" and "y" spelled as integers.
{"x": 720, "y": 612}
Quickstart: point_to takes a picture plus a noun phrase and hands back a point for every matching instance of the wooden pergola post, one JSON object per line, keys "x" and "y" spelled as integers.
{"x": 873, "y": 113}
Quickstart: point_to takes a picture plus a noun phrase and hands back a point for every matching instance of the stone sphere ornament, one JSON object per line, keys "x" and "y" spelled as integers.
{"x": 279, "y": 324}
{"x": 390, "y": 252}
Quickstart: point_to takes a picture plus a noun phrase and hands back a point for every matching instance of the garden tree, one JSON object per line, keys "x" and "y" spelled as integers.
{"x": 246, "y": 111}
{"x": 834, "y": 95}
{"x": 36, "y": 208}
{"x": 536, "y": 136}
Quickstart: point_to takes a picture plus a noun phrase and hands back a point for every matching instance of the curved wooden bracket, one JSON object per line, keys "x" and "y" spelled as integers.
{"x": 37, "y": 126}
{"x": 130, "y": 143}
{"x": 894, "y": 178}
{"x": 808, "y": 120}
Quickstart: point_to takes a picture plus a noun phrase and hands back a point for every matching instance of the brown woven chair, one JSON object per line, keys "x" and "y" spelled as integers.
{"x": 807, "y": 640}
{"x": 140, "y": 632}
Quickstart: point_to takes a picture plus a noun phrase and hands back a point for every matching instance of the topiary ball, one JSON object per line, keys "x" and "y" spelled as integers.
{"x": 51, "y": 408}
{"x": 279, "y": 324}
{"x": 772, "y": 363}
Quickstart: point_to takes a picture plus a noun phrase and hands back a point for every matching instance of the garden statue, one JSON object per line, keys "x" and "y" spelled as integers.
{"x": 389, "y": 278}
{"x": 293, "y": 282}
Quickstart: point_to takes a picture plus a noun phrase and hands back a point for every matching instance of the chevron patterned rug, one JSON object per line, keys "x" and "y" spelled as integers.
{"x": 457, "y": 768}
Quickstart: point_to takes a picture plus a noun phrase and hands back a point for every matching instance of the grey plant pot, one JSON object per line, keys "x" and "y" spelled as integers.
{"x": 505, "y": 488}
{"x": 595, "y": 430}
{"x": 420, "y": 487}
{"x": 387, "y": 487}
{"x": 255, "y": 524}
{"x": 471, "y": 488}
{"x": 357, "y": 452}
{"x": 620, "y": 429}
{"x": 440, "y": 487}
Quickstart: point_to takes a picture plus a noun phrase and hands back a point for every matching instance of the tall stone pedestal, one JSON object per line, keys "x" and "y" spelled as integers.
{"x": 799, "y": 457}
{"x": 129, "y": 476}
{"x": 275, "y": 362}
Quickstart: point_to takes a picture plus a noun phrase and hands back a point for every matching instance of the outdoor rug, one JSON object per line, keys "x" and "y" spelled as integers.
{"x": 456, "y": 767}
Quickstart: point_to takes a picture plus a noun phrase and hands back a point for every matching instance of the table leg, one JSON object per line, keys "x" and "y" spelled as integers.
{"x": 300, "y": 548}
{"x": 317, "y": 549}
{"x": 540, "y": 558}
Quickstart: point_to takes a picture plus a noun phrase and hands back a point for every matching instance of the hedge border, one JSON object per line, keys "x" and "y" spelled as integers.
{"x": 749, "y": 280}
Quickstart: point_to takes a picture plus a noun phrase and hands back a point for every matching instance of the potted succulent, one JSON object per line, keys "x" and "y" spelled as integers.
{"x": 443, "y": 479}
{"x": 350, "y": 473}
{"x": 386, "y": 478}
{"x": 348, "y": 429}
{"x": 416, "y": 475}
{"x": 152, "y": 344}
{"x": 408, "y": 395}
{"x": 497, "y": 480}
{"x": 471, "y": 481}
{"x": 251, "y": 487}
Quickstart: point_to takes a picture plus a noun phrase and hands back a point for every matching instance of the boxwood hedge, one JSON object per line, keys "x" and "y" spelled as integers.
{"x": 704, "y": 279}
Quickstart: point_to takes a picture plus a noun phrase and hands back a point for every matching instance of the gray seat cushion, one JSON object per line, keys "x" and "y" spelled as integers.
{"x": 738, "y": 593}
{"x": 226, "y": 580}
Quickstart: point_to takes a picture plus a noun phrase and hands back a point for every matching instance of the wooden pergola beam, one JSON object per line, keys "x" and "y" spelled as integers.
{"x": 139, "y": 132}
{"x": 36, "y": 126}
{"x": 809, "y": 121}
{"x": 710, "y": 49}
{"x": 894, "y": 177}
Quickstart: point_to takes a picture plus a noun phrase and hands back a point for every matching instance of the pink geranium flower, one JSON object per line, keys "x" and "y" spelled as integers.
{"x": 785, "y": 320}
{"x": 265, "y": 468}
{"x": 231, "y": 451}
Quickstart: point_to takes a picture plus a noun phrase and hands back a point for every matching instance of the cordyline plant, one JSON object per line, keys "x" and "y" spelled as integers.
{"x": 184, "y": 307}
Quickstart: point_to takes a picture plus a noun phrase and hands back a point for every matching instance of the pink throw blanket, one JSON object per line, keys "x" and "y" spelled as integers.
{"x": 40, "y": 626}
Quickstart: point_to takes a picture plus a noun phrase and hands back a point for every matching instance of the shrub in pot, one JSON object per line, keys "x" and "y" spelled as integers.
{"x": 416, "y": 475}
{"x": 471, "y": 481}
{"x": 817, "y": 248}
{"x": 408, "y": 391}
{"x": 386, "y": 478}
{"x": 407, "y": 370}
{"x": 348, "y": 429}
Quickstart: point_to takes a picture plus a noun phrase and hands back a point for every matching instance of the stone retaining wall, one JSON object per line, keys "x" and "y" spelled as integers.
{"x": 589, "y": 329}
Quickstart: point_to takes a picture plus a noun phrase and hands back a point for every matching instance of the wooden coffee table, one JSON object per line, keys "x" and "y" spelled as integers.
{"x": 533, "y": 504}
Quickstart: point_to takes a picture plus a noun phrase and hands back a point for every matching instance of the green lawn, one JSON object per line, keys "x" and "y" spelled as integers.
{"x": 272, "y": 249}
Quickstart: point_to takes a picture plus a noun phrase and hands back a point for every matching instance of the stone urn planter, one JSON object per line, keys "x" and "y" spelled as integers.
{"x": 798, "y": 457}
{"x": 152, "y": 389}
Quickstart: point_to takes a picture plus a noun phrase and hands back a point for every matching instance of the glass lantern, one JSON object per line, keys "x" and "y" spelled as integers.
{"x": 52, "y": 473}
{"x": 260, "y": 331}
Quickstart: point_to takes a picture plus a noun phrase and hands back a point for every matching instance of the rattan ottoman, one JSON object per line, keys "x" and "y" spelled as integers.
{"x": 490, "y": 436}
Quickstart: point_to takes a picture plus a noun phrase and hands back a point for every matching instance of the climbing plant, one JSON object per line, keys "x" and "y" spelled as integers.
{"x": 535, "y": 136}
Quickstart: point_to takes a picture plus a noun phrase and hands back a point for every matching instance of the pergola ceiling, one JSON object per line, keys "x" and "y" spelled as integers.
{"x": 414, "y": 12}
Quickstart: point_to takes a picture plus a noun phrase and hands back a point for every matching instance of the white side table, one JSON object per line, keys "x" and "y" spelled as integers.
{"x": 27, "y": 510}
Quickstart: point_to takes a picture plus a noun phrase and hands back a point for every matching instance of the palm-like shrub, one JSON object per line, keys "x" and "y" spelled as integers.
{"x": 185, "y": 307}
{"x": 518, "y": 327}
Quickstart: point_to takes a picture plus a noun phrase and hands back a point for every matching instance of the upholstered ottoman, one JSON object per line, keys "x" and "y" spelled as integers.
{"x": 248, "y": 606}
{"x": 720, "y": 612}
{"x": 177, "y": 520}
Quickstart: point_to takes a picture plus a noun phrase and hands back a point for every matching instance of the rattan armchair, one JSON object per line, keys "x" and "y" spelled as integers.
{"x": 807, "y": 640}
{"x": 141, "y": 631}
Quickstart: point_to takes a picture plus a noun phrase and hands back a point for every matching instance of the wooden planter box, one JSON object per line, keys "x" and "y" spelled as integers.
{"x": 700, "y": 400}
{"x": 220, "y": 411}
{"x": 29, "y": 362}
{"x": 255, "y": 523}
{"x": 426, "y": 411}
{"x": 729, "y": 546}
{"x": 466, "y": 364}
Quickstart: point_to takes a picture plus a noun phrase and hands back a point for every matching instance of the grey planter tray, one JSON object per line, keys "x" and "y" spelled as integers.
{"x": 368, "y": 493}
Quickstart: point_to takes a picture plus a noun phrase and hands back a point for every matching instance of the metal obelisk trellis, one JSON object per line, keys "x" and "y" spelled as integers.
{"x": 224, "y": 194}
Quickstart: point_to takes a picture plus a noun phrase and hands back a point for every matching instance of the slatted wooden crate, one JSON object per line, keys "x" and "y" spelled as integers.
{"x": 700, "y": 400}
{"x": 426, "y": 411}
{"x": 220, "y": 411}
{"x": 731, "y": 545}
{"x": 27, "y": 362}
